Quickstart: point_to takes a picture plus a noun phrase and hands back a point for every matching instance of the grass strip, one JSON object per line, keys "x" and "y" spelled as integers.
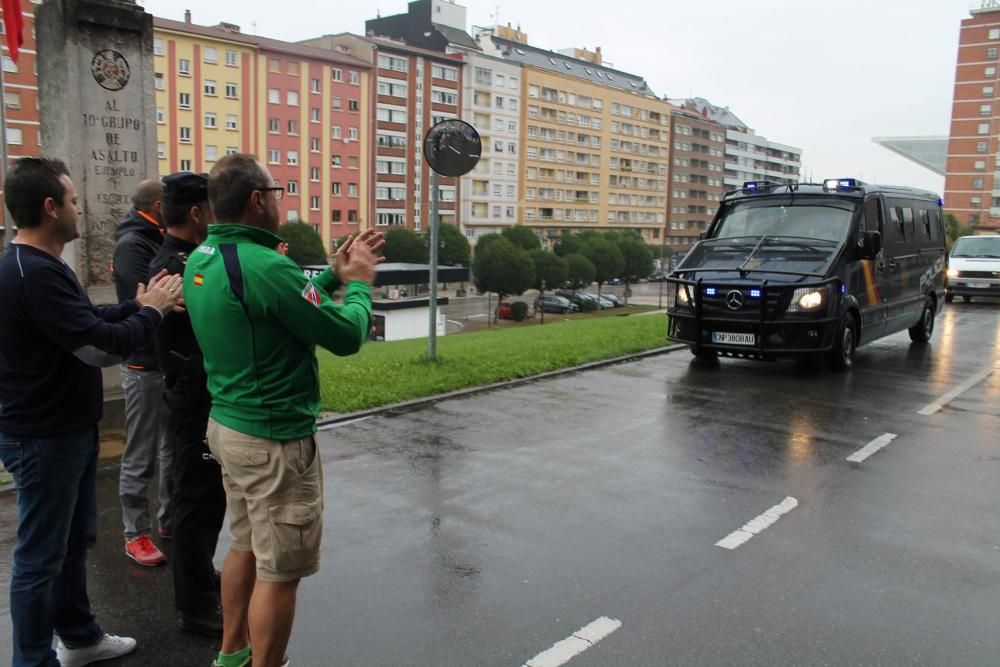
{"x": 384, "y": 373}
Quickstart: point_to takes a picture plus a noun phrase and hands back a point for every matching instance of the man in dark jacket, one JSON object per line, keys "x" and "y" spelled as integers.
{"x": 138, "y": 238}
{"x": 52, "y": 340}
{"x": 198, "y": 506}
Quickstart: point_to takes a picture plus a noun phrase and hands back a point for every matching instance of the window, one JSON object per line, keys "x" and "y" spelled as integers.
{"x": 157, "y": 77}
{"x": 335, "y": 215}
{"x": 352, "y": 189}
{"x": 989, "y": 72}
{"x": 981, "y": 146}
{"x": 352, "y": 133}
{"x": 293, "y": 67}
{"x": 987, "y": 91}
{"x": 184, "y": 67}
{"x": 231, "y": 121}
{"x": 293, "y": 98}
{"x": 352, "y": 161}
{"x": 273, "y": 125}
{"x": 211, "y": 153}
{"x": 314, "y": 173}
{"x": 498, "y": 102}
{"x": 273, "y": 156}
{"x": 977, "y": 183}
{"x": 512, "y": 84}
{"x": 985, "y": 109}
{"x": 338, "y": 74}
{"x": 185, "y": 135}
{"x": 335, "y": 189}
{"x": 231, "y": 90}
{"x": 337, "y": 103}
{"x": 392, "y": 88}
{"x": 352, "y": 216}
{"x": 293, "y": 158}
{"x": 352, "y": 105}
{"x": 991, "y": 53}
{"x": 292, "y": 187}
{"x": 443, "y": 97}
{"x": 994, "y": 33}
{"x": 337, "y": 132}
{"x": 232, "y": 150}
{"x": 392, "y": 63}
{"x": 315, "y": 86}
{"x": 161, "y": 150}
{"x": 210, "y": 87}
{"x": 211, "y": 120}
{"x": 354, "y": 78}
{"x": 984, "y": 128}
{"x": 15, "y": 136}
{"x": 184, "y": 100}
{"x": 210, "y": 55}
{"x": 293, "y": 214}
{"x": 161, "y": 114}
{"x": 273, "y": 96}
{"x": 293, "y": 127}
{"x": 185, "y": 165}
{"x": 314, "y": 146}
{"x": 388, "y": 115}
{"x": 314, "y": 203}
{"x": 157, "y": 46}
{"x": 334, "y": 160}
{"x": 231, "y": 58}
{"x": 979, "y": 165}
{"x": 443, "y": 72}
{"x": 314, "y": 116}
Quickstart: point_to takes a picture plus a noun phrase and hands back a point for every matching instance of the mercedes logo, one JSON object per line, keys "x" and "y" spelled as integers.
{"x": 734, "y": 299}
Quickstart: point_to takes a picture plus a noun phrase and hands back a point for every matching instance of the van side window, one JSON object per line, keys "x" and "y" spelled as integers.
{"x": 923, "y": 224}
{"x": 908, "y": 231}
{"x": 894, "y": 227}
{"x": 937, "y": 226}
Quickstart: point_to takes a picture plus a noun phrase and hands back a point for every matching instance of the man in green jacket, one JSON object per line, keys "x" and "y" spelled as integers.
{"x": 258, "y": 321}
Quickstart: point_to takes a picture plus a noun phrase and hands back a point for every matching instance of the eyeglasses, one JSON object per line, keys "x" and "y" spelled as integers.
{"x": 278, "y": 190}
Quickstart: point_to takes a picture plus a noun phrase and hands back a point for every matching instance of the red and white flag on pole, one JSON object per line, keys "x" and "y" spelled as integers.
{"x": 13, "y": 23}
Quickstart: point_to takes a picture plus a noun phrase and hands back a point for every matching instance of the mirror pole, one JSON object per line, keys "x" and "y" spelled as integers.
{"x": 433, "y": 234}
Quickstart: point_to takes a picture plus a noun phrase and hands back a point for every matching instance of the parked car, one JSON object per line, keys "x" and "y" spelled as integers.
{"x": 602, "y": 301}
{"x": 616, "y": 300}
{"x": 504, "y": 311}
{"x": 616, "y": 281}
{"x": 553, "y": 303}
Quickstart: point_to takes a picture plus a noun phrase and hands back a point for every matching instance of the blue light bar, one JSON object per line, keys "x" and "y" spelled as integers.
{"x": 709, "y": 291}
{"x": 755, "y": 294}
{"x": 841, "y": 184}
{"x": 940, "y": 202}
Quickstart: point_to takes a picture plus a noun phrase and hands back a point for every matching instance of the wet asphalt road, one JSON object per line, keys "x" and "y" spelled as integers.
{"x": 483, "y": 530}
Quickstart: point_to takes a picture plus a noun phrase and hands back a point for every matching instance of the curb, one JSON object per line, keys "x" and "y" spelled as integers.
{"x": 406, "y": 406}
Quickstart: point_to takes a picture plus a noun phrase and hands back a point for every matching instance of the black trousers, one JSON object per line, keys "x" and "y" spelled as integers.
{"x": 199, "y": 501}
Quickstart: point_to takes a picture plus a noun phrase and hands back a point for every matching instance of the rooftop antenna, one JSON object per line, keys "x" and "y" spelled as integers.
{"x": 254, "y": 25}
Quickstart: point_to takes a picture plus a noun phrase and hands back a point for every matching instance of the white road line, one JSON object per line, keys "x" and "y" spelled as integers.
{"x": 329, "y": 427}
{"x": 758, "y": 524}
{"x": 872, "y": 447}
{"x": 578, "y": 642}
{"x": 956, "y": 392}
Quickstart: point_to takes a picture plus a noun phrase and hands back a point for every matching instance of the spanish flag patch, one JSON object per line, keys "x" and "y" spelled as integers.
{"x": 198, "y": 279}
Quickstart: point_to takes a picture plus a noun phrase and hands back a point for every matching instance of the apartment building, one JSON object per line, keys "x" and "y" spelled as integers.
{"x": 596, "y": 141}
{"x": 972, "y": 180}
{"x": 696, "y": 176}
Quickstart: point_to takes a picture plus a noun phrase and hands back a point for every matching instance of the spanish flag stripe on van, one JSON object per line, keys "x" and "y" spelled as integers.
{"x": 871, "y": 288}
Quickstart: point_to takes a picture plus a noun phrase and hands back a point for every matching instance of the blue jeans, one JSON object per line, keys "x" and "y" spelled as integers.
{"x": 56, "y": 484}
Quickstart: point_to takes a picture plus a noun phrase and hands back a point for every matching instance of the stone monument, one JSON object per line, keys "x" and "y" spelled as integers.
{"x": 96, "y": 99}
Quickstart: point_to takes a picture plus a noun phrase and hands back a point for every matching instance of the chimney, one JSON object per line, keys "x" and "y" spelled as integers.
{"x": 187, "y": 16}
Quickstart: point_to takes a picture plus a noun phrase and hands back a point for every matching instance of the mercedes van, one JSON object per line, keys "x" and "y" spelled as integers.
{"x": 811, "y": 270}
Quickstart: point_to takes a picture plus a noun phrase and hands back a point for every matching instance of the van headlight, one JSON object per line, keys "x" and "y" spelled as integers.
{"x": 683, "y": 298}
{"x": 807, "y": 299}
{"x": 952, "y": 273}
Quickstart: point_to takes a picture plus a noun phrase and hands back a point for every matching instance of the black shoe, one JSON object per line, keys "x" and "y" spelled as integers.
{"x": 208, "y": 622}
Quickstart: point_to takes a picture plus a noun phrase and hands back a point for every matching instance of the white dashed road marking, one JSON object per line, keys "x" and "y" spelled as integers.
{"x": 756, "y": 525}
{"x": 956, "y": 392}
{"x": 575, "y": 644}
{"x": 872, "y": 447}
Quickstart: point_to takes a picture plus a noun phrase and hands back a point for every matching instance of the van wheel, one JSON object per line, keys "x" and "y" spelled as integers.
{"x": 948, "y": 298}
{"x": 841, "y": 356}
{"x": 922, "y": 330}
{"x": 967, "y": 299}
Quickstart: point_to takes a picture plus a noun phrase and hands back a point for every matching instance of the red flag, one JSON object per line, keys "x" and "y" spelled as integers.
{"x": 13, "y": 22}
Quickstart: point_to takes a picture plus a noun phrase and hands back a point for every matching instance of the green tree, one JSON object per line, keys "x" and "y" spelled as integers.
{"x": 549, "y": 267}
{"x": 484, "y": 241}
{"x": 503, "y": 268}
{"x": 305, "y": 247}
{"x": 522, "y": 236}
{"x": 403, "y": 245}
{"x": 579, "y": 270}
{"x": 568, "y": 244}
{"x": 638, "y": 261}
{"x": 607, "y": 259}
{"x": 454, "y": 247}
{"x": 953, "y": 229}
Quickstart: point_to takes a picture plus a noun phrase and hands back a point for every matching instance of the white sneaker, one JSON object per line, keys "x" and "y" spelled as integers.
{"x": 107, "y": 648}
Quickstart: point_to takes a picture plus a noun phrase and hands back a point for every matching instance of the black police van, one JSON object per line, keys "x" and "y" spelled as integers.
{"x": 810, "y": 270}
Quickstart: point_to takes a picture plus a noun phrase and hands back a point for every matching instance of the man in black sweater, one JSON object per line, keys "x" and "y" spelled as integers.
{"x": 138, "y": 238}
{"x": 52, "y": 342}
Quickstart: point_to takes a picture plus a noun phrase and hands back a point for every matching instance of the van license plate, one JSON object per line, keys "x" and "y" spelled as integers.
{"x": 734, "y": 338}
{"x": 979, "y": 285}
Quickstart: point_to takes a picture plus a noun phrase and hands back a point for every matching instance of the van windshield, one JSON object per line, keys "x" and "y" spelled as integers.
{"x": 811, "y": 218}
{"x": 980, "y": 246}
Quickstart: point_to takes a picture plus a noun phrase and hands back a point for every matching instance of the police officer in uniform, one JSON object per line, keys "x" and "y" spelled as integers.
{"x": 199, "y": 501}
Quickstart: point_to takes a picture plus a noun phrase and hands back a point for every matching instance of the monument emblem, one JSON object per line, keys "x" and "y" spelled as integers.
{"x": 110, "y": 69}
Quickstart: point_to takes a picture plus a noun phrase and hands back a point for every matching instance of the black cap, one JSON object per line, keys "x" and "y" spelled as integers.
{"x": 185, "y": 187}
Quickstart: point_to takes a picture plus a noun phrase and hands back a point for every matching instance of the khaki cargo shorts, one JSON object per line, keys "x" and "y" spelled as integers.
{"x": 274, "y": 494}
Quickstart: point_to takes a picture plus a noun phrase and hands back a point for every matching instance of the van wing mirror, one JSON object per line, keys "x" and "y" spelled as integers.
{"x": 871, "y": 245}
{"x": 702, "y": 236}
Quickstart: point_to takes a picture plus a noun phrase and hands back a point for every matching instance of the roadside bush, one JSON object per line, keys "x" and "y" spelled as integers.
{"x": 588, "y": 306}
{"x": 518, "y": 311}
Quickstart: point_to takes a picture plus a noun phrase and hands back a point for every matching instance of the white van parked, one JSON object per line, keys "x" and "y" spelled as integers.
{"x": 973, "y": 268}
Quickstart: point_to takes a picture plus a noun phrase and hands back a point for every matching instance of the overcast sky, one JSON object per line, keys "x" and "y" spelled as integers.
{"x": 823, "y": 76}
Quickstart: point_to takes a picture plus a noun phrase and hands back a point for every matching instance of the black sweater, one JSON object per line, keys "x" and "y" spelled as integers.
{"x": 52, "y": 340}
{"x": 136, "y": 242}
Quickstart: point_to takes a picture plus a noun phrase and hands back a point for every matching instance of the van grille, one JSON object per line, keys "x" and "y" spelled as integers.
{"x": 978, "y": 274}
{"x": 716, "y": 305}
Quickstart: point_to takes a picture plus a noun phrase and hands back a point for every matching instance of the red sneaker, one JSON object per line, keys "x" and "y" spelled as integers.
{"x": 142, "y": 550}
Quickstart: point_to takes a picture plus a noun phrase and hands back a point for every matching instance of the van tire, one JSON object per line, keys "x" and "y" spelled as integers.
{"x": 922, "y": 331}
{"x": 948, "y": 298}
{"x": 841, "y": 355}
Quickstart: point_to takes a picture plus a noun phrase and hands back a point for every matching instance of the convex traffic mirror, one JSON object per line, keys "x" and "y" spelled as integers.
{"x": 452, "y": 147}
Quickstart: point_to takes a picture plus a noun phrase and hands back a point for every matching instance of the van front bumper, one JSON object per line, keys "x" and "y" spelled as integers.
{"x": 770, "y": 339}
{"x": 972, "y": 287}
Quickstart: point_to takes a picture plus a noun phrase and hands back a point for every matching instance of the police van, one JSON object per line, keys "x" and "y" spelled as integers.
{"x": 811, "y": 270}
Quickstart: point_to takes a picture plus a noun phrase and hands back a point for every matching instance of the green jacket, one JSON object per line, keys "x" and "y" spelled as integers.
{"x": 260, "y": 355}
